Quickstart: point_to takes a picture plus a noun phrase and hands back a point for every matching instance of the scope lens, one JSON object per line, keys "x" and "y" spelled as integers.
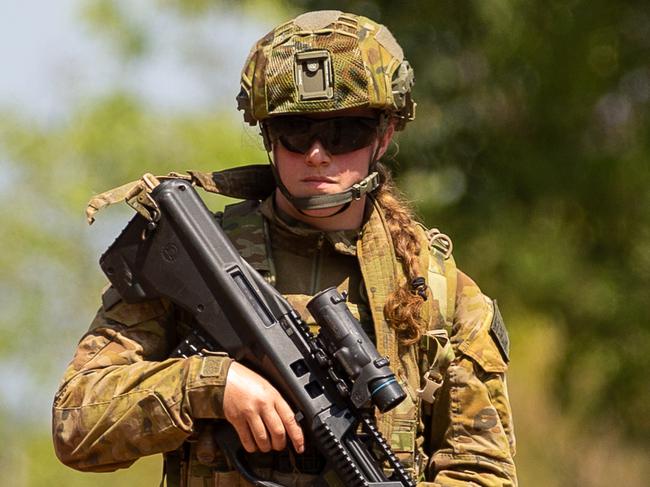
{"x": 386, "y": 393}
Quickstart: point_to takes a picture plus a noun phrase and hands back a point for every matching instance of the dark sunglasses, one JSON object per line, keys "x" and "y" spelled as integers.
{"x": 338, "y": 135}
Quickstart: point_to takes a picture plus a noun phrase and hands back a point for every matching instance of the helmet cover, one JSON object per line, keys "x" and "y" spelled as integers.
{"x": 326, "y": 61}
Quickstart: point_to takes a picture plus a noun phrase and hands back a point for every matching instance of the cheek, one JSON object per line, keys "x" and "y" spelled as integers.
{"x": 286, "y": 162}
{"x": 356, "y": 163}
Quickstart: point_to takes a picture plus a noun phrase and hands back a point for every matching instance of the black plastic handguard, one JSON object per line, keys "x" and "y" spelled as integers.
{"x": 187, "y": 258}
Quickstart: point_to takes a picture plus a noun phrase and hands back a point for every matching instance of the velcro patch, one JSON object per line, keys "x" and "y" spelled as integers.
{"x": 213, "y": 365}
{"x": 499, "y": 333}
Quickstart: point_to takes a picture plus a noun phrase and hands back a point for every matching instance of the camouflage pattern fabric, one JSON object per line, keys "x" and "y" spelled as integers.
{"x": 472, "y": 437}
{"x": 120, "y": 399}
{"x": 246, "y": 229}
{"x": 382, "y": 273}
{"x": 367, "y": 67}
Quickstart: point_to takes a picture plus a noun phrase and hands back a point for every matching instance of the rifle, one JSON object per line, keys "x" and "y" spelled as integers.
{"x": 181, "y": 253}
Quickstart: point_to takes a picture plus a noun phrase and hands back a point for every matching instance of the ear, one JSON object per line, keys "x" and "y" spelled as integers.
{"x": 385, "y": 140}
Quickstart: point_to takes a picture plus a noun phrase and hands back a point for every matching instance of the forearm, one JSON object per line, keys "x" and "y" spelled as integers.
{"x": 107, "y": 418}
{"x": 115, "y": 406}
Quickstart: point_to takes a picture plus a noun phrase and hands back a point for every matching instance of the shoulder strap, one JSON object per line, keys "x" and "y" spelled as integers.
{"x": 435, "y": 347}
{"x": 440, "y": 277}
{"x": 253, "y": 182}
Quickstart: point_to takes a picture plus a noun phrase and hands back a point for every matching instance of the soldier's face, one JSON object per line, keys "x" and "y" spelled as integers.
{"x": 318, "y": 170}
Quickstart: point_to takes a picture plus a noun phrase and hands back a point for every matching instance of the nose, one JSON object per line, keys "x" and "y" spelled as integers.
{"x": 317, "y": 155}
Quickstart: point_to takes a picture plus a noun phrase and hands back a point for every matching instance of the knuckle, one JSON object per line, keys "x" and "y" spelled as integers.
{"x": 260, "y": 436}
{"x": 290, "y": 420}
{"x": 277, "y": 431}
{"x": 260, "y": 403}
{"x": 247, "y": 410}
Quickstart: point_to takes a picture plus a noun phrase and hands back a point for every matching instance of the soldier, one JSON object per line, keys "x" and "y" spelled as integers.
{"x": 328, "y": 90}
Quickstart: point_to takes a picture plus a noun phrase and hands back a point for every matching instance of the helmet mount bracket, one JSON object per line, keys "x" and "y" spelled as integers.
{"x": 313, "y": 75}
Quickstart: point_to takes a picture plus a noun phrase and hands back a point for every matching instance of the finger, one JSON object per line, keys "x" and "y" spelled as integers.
{"x": 275, "y": 427}
{"x": 291, "y": 426}
{"x": 260, "y": 435}
{"x": 245, "y": 436}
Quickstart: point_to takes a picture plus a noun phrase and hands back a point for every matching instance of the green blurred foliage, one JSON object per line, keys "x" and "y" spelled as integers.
{"x": 111, "y": 20}
{"x": 530, "y": 149}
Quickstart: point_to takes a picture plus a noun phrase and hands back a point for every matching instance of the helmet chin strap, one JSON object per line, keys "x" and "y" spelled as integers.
{"x": 342, "y": 199}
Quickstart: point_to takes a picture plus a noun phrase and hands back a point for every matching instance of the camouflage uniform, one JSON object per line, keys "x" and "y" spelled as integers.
{"x": 120, "y": 399}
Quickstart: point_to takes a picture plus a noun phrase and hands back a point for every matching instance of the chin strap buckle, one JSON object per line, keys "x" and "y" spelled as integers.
{"x": 359, "y": 189}
{"x": 366, "y": 185}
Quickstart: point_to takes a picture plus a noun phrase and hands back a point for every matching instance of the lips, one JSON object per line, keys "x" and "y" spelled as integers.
{"x": 318, "y": 179}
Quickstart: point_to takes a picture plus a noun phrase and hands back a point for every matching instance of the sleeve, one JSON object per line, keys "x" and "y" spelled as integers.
{"x": 120, "y": 399}
{"x": 472, "y": 436}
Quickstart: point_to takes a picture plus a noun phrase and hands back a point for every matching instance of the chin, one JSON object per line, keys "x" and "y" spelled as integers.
{"x": 323, "y": 213}
{"x": 317, "y": 189}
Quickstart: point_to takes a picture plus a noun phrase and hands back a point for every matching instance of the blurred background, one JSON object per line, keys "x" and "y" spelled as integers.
{"x": 530, "y": 149}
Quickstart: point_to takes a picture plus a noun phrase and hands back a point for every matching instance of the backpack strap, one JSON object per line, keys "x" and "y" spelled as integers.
{"x": 254, "y": 182}
{"x": 436, "y": 352}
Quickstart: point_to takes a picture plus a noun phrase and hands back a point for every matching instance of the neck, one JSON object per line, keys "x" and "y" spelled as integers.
{"x": 350, "y": 219}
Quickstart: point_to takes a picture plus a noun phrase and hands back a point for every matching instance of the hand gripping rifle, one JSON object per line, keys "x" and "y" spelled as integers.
{"x": 181, "y": 253}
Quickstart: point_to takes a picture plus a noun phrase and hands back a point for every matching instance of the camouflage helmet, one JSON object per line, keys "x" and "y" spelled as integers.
{"x": 326, "y": 61}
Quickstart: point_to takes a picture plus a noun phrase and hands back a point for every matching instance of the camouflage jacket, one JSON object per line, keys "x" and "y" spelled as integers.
{"x": 120, "y": 399}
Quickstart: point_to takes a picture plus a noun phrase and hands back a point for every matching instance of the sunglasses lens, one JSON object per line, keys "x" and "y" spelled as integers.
{"x": 338, "y": 135}
{"x": 350, "y": 134}
{"x": 296, "y": 143}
